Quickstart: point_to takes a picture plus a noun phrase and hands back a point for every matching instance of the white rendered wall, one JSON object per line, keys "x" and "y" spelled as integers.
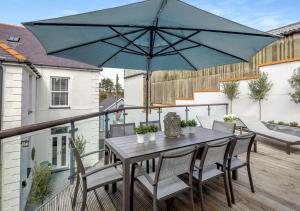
{"x": 133, "y": 91}
{"x": 278, "y": 105}
{"x": 83, "y": 99}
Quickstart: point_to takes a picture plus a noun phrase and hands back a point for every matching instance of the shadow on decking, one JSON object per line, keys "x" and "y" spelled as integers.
{"x": 276, "y": 180}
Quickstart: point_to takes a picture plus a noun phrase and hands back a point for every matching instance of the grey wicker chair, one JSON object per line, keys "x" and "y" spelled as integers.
{"x": 157, "y": 123}
{"x": 242, "y": 144}
{"x": 165, "y": 183}
{"x": 118, "y": 130}
{"x": 225, "y": 127}
{"x": 206, "y": 169}
{"x": 92, "y": 178}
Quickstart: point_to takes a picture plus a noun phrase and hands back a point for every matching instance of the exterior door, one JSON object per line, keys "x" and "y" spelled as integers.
{"x": 60, "y": 150}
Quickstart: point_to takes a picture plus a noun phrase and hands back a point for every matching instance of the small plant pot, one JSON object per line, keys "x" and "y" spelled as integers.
{"x": 185, "y": 130}
{"x": 140, "y": 138}
{"x": 192, "y": 129}
{"x": 152, "y": 137}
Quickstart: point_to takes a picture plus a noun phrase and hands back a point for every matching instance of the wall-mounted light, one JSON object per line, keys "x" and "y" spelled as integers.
{"x": 25, "y": 143}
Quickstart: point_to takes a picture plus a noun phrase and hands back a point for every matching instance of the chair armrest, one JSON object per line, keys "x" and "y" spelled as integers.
{"x": 93, "y": 152}
{"x": 144, "y": 173}
{"x": 102, "y": 168}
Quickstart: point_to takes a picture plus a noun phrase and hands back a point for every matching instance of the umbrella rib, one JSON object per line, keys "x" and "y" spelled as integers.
{"x": 130, "y": 41}
{"x": 92, "y": 42}
{"x": 177, "y": 42}
{"x": 180, "y": 54}
{"x": 180, "y": 49}
{"x": 112, "y": 56}
{"x": 128, "y": 49}
{"x": 212, "y": 48}
{"x": 147, "y": 27}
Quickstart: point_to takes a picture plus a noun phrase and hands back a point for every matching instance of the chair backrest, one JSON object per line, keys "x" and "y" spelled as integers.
{"x": 215, "y": 152}
{"x": 80, "y": 166}
{"x": 207, "y": 121}
{"x": 118, "y": 130}
{"x": 175, "y": 162}
{"x": 225, "y": 127}
{"x": 157, "y": 123}
{"x": 243, "y": 144}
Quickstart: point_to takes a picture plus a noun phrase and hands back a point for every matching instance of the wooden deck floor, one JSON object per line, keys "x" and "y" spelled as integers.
{"x": 276, "y": 178}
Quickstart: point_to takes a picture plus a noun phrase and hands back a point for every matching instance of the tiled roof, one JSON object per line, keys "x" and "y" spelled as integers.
{"x": 8, "y": 50}
{"x": 28, "y": 47}
{"x": 286, "y": 30}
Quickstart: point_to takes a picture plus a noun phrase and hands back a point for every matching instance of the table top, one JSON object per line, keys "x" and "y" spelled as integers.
{"x": 126, "y": 147}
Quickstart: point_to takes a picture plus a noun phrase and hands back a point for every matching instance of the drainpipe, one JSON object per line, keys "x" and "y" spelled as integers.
{"x": 1, "y": 90}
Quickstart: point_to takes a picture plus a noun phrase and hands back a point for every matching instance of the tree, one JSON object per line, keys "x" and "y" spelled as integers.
{"x": 259, "y": 89}
{"x": 231, "y": 90}
{"x": 106, "y": 85}
{"x": 118, "y": 87}
{"x": 295, "y": 84}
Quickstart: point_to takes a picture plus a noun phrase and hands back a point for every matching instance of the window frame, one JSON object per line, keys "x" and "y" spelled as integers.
{"x": 51, "y": 92}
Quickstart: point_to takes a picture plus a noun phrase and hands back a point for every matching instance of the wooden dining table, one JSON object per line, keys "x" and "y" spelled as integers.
{"x": 129, "y": 151}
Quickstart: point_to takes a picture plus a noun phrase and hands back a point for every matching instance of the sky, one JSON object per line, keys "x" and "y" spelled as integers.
{"x": 259, "y": 14}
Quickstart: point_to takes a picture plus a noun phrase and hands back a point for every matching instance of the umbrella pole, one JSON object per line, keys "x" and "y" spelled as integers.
{"x": 147, "y": 90}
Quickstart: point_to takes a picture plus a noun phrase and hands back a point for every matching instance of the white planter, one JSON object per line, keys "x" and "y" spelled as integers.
{"x": 152, "y": 137}
{"x": 185, "y": 130}
{"x": 192, "y": 129}
{"x": 140, "y": 138}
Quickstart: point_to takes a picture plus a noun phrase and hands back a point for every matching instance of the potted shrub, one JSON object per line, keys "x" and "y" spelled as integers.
{"x": 41, "y": 183}
{"x": 183, "y": 126}
{"x": 152, "y": 129}
{"x": 191, "y": 124}
{"x": 294, "y": 124}
{"x": 140, "y": 133}
{"x": 230, "y": 118}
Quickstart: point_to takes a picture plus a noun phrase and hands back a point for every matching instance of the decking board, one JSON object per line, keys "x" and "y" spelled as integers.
{"x": 276, "y": 180}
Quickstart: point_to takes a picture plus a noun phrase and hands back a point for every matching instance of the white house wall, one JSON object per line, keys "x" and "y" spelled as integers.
{"x": 278, "y": 105}
{"x": 84, "y": 98}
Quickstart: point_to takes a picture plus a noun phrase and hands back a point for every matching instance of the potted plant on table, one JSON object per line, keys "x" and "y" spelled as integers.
{"x": 152, "y": 129}
{"x": 191, "y": 124}
{"x": 140, "y": 133}
{"x": 183, "y": 126}
{"x": 230, "y": 118}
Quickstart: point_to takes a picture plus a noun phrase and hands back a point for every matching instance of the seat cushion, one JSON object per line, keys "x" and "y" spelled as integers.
{"x": 208, "y": 173}
{"x": 102, "y": 178}
{"x": 165, "y": 187}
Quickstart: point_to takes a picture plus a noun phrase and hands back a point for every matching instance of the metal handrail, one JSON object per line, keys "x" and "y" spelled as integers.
{"x": 44, "y": 125}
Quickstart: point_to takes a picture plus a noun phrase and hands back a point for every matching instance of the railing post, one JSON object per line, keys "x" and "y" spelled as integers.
{"x": 106, "y": 125}
{"x": 159, "y": 114}
{"x": 186, "y": 113}
{"x": 208, "y": 110}
{"x": 226, "y": 108}
{"x": 72, "y": 160}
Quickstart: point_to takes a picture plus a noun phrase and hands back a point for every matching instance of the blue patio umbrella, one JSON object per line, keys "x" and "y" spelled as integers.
{"x": 150, "y": 35}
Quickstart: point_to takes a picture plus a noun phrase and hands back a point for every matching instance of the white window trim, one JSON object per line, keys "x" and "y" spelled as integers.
{"x": 60, "y": 106}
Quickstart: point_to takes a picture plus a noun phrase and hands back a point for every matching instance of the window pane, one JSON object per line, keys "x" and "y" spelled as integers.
{"x": 59, "y": 130}
{"x": 63, "y": 150}
{"x": 55, "y": 98}
{"x": 54, "y": 151}
{"x": 64, "y": 84}
{"x": 64, "y": 98}
{"x": 56, "y": 84}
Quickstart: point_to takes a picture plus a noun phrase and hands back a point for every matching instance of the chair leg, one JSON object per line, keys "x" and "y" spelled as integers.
{"x": 250, "y": 178}
{"x": 192, "y": 199}
{"x": 200, "y": 192}
{"x": 155, "y": 207}
{"x": 153, "y": 165}
{"x": 147, "y": 166}
{"x": 226, "y": 189}
{"x": 75, "y": 193}
{"x": 84, "y": 195}
{"x": 288, "y": 149}
{"x": 230, "y": 186}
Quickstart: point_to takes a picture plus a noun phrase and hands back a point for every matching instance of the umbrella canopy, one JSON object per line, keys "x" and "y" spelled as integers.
{"x": 150, "y": 35}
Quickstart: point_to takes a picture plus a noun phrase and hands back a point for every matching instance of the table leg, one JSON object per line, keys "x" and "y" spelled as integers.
{"x": 235, "y": 174}
{"x": 106, "y": 160}
{"x": 126, "y": 187}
